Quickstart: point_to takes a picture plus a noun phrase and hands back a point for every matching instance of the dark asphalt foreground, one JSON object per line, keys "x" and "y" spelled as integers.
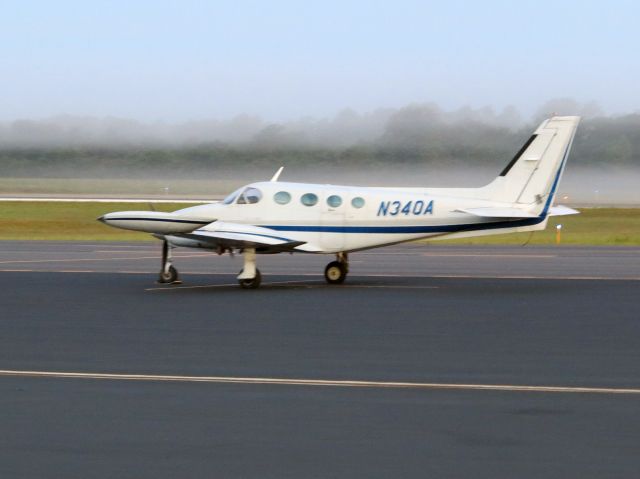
{"x": 423, "y": 328}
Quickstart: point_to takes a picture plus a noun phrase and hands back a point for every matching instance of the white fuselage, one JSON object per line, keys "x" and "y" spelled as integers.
{"x": 348, "y": 218}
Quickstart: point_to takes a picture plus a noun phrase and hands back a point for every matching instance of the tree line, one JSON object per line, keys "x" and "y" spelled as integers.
{"x": 413, "y": 135}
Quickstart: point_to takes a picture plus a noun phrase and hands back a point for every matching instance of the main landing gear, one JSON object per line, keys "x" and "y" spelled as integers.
{"x": 336, "y": 271}
{"x": 249, "y": 277}
{"x": 168, "y": 274}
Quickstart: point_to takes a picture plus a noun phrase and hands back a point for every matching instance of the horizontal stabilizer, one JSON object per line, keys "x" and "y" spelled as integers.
{"x": 562, "y": 211}
{"x": 490, "y": 212}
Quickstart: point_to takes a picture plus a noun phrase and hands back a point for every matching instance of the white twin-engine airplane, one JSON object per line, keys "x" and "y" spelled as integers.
{"x": 278, "y": 217}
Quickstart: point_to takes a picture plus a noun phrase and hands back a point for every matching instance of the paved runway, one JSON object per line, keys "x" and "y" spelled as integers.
{"x": 228, "y": 382}
{"x": 430, "y": 260}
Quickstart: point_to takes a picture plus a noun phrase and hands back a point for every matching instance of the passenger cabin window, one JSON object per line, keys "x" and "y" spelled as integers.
{"x": 334, "y": 201}
{"x": 282, "y": 197}
{"x": 357, "y": 202}
{"x": 250, "y": 196}
{"x": 309, "y": 199}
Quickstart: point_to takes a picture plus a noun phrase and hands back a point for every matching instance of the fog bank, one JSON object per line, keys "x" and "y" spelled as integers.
{"x": 394, "y": 126}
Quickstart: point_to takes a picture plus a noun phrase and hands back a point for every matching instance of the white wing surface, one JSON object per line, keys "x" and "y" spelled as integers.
{"x": 235, "y": 235}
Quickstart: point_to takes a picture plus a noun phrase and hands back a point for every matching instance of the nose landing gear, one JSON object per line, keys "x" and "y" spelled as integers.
{"x": 336, "y": 271}
{"x": 168, "y": 274}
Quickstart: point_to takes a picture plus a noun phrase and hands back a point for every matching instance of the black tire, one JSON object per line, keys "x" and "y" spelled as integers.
{"x": 169, "y": 276}
{"x": 253, "y": 283}
{"x": 335, "y": 273}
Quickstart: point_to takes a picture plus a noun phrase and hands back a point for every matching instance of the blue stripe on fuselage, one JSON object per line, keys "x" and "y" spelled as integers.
{"x": 408, "y": 229}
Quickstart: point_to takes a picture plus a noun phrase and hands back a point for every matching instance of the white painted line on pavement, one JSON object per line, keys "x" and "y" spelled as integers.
{"x": 319, "y": 382}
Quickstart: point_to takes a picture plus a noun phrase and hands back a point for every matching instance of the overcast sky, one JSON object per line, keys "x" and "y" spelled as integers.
{"x": 281, "y": 60}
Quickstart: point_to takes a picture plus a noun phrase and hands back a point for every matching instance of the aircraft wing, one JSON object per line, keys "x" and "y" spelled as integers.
{"x": 235, "y": 235}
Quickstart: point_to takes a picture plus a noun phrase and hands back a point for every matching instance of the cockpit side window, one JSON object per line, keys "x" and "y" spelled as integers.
{"x": 249, "y": 196}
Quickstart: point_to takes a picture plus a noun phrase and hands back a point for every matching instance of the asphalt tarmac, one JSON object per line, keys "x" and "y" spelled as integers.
{"x": 428, "y": 362}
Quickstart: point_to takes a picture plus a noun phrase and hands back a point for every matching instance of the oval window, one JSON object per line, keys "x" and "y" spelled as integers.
{"x": 334, "y": 201}
{"x": 282, "y": 197}
{"x": 309, "y": 199}
{"x": 357, "y": 202}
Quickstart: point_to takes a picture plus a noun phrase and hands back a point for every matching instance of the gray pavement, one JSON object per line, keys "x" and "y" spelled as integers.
{"x": 422, "y": 260}
{"x": 410, "y": 313}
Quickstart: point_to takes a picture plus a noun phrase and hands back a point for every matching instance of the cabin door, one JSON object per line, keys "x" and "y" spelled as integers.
{"x": 333, "y": 208}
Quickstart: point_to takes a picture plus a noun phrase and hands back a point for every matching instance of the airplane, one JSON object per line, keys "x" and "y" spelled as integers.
{"x": 282, "y": 217}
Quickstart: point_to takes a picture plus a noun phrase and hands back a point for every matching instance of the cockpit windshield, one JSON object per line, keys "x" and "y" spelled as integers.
{"x": 250, "y": 196}
{"x": 243, "y": 196}
{"x": 232, "y": 197}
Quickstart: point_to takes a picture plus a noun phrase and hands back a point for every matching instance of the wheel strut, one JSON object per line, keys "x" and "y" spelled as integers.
{"x": 168, "y": 274}
{"x": 249, "y": 277}
{"x": 343, "y": 257}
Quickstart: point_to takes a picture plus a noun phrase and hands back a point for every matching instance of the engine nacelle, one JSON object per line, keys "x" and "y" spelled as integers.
{"x": 186, "y": 242}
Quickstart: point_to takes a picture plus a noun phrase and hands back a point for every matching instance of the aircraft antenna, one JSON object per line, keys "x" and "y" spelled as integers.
{"x": 277, "y": 175}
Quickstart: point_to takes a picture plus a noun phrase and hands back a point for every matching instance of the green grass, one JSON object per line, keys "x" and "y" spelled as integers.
{"x": 593, "y": 226}
{"x": 69, "y": 221}
{"x": 77, "y": 221}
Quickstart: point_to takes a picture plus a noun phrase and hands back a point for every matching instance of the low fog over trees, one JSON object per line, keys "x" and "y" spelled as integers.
{"x": 416, "y": 133}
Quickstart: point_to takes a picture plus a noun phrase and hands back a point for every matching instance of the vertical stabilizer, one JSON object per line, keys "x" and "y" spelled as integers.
{"x": 530, "y": 180}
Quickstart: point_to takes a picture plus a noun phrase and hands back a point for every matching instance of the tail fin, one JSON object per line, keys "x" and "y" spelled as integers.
{"x": 530, "y": 180}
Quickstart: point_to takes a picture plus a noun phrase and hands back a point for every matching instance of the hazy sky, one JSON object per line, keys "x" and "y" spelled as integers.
{"x": 182, "y": 60}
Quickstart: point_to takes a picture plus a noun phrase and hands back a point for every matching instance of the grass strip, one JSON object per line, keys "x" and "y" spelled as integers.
{"x": 77, "y": 221}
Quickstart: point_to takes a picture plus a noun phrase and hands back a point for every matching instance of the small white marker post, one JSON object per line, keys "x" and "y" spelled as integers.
{"x": 558, "y": 233}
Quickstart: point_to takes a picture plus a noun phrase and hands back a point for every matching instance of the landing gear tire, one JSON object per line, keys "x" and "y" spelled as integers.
{"x": 335, "y": 272}
{"x": 253, "y": 283}
{"x": 168, "y": 276}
